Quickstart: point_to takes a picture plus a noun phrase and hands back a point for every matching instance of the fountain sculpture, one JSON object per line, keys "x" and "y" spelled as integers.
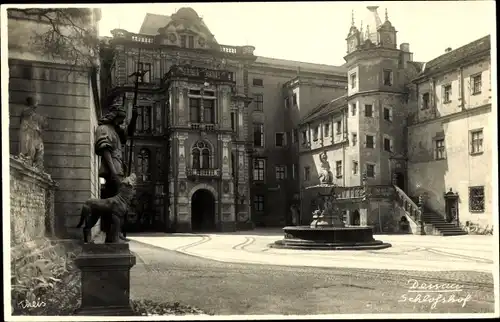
{"x": 327, "y": 229}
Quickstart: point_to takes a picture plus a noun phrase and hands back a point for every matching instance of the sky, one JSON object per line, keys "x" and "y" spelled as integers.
{"x": 315, "y": 31}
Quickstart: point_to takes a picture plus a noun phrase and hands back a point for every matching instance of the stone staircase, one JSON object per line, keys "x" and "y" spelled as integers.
{"x": 439, "y": 223}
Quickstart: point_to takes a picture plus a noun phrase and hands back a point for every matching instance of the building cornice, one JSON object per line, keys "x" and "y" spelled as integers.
{"x": 446, "y": 118}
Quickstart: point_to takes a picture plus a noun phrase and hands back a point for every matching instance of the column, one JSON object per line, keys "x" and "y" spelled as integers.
{"x": 226, "y": 154}
{"x": 182, "y": 155}
{"x": 225, "y": 97}
{"x": 181, "y": 103}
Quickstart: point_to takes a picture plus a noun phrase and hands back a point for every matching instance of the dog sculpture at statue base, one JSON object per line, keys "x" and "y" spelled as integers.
{"x": 115, "y": 208}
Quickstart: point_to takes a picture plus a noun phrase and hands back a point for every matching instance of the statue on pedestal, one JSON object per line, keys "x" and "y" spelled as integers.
{"x": 112, "y": 210}
{"x": 325, "y": 176}
{"x": 30, "y": 134}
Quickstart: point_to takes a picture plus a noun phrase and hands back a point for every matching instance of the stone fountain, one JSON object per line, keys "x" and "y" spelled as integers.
{"x": 327, "y": 230}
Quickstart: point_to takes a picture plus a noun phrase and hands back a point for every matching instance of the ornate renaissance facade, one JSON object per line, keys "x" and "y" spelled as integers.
{"x": 214, "y": 114}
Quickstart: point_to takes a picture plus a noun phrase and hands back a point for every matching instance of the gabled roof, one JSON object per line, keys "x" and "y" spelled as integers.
{"x": 455, "y": 56}
{"x": 325, "y": 109}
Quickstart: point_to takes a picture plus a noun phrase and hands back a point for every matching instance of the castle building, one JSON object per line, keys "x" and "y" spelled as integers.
{"x": 211, "y": 124}
{"x": 421, "y": 128}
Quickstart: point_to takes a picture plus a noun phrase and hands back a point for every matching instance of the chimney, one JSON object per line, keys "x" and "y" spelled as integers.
{"x": 405, "y": 47}
{"x": 406, "y": 55}
{"x": 447, "y": 50}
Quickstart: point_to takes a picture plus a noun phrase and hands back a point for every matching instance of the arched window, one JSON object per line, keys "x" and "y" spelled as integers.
{"x": 143, "y": 164}
{"x": 201, "y": 155}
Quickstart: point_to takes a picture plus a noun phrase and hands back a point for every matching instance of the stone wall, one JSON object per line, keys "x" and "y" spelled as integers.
{"x": 31, "y": 204}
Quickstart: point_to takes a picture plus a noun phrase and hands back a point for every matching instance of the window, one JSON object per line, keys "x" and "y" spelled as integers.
{"x": 354, "y": 139}
{"x": 194, "y": 110}
{"x": 258, "y": 101}
{"x": 145, "y": 70}
{"x": 295, "y": 136}
{"x": 440, "y": 149}
{"x": 476, "y": 141}
{"x": 476, "y": 199}
{"x": 200, "y": 156}
{"x": 387, "y": 114}
{"x": 233, "y": 121}
{"x": 339, "y": 127}
{"x": 425, "y": 101}
{"x": 144, "y": 119}
{"x": 304, "y": 137}
{"x": 447, "y": 93}
{"x": 387, "y": 77}
{"x": 354, "y": 167}
{"x": 143, "y": 163}
{"x": 327, "y": 129}
{"x": 280, "y": 172}
{"x": 476, "y": 84}
{"x": 259, "y": 169}
{"x": 387, "y": 145}
{"x": 370, "y": 141}
{"x": 208, "y": 111}
{"x": 279, "y": 139}
{"x": 307, "y": 173}
{"x": 183, "y": 41}
{"x": 257, "y": 82}
{"x": 258, "y": 134}
{"x": 353, "y": 80}
{"x": 370, "y": 171}
{"x": 368, "y": 110}
{"x": 191, "y": 42}
{"x": 353, "y": 109}
{"x": 287, "y": 102}
{"x": 315, "y": 133}
{"x": 258, "y": 203}
{"x": 338, "y": 169}
{"x": 294, "y": 99}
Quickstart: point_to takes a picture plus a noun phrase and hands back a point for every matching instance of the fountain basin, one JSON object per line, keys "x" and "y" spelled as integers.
{"x": 329, "y": 238}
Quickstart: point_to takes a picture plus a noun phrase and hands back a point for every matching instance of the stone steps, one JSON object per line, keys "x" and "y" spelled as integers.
{"x": 439, "y": 223}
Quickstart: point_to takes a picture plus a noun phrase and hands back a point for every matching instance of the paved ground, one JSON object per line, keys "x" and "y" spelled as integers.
{"x": 222, "y": 287}
{"x": 408, "y": 252}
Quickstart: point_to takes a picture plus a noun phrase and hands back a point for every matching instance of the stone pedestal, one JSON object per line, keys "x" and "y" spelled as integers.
{"x": 105, "y": 281}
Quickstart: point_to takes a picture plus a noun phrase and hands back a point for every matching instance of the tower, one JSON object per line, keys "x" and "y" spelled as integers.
{"x": 375, "y": 97}
{"x": 386, "y": 33}
{"x": 353, "y": 37}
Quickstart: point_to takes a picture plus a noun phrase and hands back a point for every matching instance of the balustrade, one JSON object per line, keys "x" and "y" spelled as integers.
{"x": 410, "y": 207}
{"x": 208, "y": 173}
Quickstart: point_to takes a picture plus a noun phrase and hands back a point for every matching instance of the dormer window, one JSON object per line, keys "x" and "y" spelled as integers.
{"x": 183, "y": 41}
{"x": 190, "y": 41}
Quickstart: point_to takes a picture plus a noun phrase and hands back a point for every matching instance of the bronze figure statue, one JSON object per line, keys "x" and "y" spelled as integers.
{"x": 109, "y": 137}
{"x": 30, "y": 134}
{"x": 111, "y": 210}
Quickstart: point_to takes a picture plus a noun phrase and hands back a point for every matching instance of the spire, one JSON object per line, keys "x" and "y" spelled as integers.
{"x": 386, "y": 15}
{"x": 361, "y": 30}
{"x": 352, "y": 18}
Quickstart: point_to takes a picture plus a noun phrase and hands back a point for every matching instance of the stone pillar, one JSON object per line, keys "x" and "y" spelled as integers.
{"x": 181, "y": 99}
{"x": 363, "y": 216}
{"x": 182, "y": 155}
{"x": 420, "y": 219}
{"x": 105, "y": 279}
{"x": 226, "y": 154}
{"x": 226, "y": 113}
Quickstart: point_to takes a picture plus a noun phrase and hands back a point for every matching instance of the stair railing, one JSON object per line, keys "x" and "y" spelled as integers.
{"x": 408, "y": 205}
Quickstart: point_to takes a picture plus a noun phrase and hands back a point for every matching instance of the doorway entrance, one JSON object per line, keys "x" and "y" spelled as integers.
{"x": 354, "y": 218}
{"x": 202, "y": 211}
{"x": 400, "y": 180}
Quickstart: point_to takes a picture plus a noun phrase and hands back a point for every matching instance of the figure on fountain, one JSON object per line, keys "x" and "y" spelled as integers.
{"x": 30, "y": 134}
{"x": 325, "y": 176}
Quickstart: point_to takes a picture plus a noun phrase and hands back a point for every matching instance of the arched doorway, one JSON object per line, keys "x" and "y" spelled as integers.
{"x": 355, "y": 218}
{"x": 202, "y": 211}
